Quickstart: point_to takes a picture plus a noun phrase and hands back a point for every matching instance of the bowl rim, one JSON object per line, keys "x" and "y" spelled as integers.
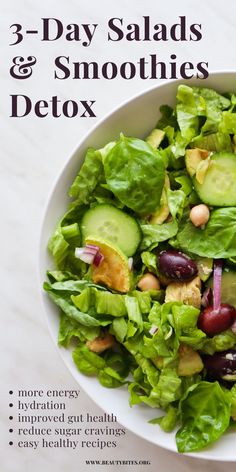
{"x": 114, "y": 110}
{"x": 203, "y": 454}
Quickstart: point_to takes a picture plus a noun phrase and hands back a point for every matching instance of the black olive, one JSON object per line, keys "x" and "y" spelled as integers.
{"x": 176, "y": 265}
{"x": 221, "y": 365}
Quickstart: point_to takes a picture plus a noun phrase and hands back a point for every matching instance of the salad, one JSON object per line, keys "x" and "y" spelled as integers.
{"x": 145, "y": 267}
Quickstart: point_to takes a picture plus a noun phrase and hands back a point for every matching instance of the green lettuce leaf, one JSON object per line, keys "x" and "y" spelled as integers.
{"x": 88, "y": 362}
{"x": 89, "y": 176}
{"x": 148, "y": 369}
{"x": 72, "y": 286}
{"x": 69, "y": 328}
{"x": 155, "y": 234}
{"x": 167, "y": 422}
{"x": 119, "y": 329}
{"x": 220, "y": 342}
{"x": 103, "y": 302}
{"x": 60, "y": 276}
{"x": 125, "y": 167}
{"x": 144, "y": 300}
{"x": 110, "y": 304}
{"x": 158, "y": 384}
{"x": 64, "y": 240}
{"x": 214, "y": 105}
{"x": 168, "y": 388}
{"x": 214, "y": 142}
{"x": 134, "y": 315}
{"x": 176, "y": 202}
{"x": 185, "y": 183}
{"x": 150, "y": 261}
{"x": 187, "y": 112}
{"x": 109, "y": 378}
{"x": 196, "y": 103}
{"x": 168, "y": 118}
{"x": 216, "y": 240}
{"x": 160, "y": 389}
{"x": 172, "y": 149}
{"x": 228, "y": 123}
{"x": 176, "y": 323}
{"x": 233, "y": 402}
{"x": 205, "y": 416}
{"x": 63, "y": 301}
{"x": 58, "y": 246}
{"x": 111, "y": 369}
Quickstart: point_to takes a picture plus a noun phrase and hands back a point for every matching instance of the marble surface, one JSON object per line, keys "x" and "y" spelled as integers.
{"x": 33, "y": 151}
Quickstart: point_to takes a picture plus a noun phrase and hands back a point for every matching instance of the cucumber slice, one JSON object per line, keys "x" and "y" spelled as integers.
{"x": 114, "y": 225}
{"x": 228, "y": 287}
{"x": 219, "y": 186}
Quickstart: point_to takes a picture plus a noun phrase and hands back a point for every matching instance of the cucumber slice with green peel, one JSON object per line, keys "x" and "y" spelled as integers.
{"x": 228, "y": 287}
{"x": 114, "y": 225}
{"x": 219, "y": 185}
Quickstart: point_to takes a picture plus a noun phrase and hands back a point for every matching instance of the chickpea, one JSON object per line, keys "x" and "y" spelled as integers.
{"x": 149, "y": 282}
{"x": 199, "y": 215}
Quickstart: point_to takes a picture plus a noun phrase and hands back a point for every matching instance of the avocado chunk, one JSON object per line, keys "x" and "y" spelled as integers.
{"x": 160, "y": 216}
{"x": 155, "y": 138}
{"x": 194, "y": 157}
{"x": 188, "y": 293}
{"x": 190, "y": 362}
{"x": 113, "y": 271}
{"x": 205, "y": 267}
{"x": 162, "y": 211}
{"x": 202, "y": 169}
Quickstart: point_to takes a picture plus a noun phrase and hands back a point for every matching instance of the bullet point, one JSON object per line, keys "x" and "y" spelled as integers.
{"x": 10, "y": 443}
{"x": 10, "y": 417}
{"x": 11, "y": 430}
{"x": 10, "y": 404}
{"x": 10, "y": 392}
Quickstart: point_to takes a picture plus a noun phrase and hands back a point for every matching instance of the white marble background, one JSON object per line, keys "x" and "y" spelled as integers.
{"x": 33, "y": 151}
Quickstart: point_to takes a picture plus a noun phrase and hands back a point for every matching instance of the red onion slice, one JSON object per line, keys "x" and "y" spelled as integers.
{"x": 206, "y": 297}
{"x": 85, "y": 254}
{"x": 99, "y": 257}
{"x": 90, "y": 254}
{"x": 153, "y": 329}
{"x": 79, "y": 251}
{"x": 130, "y": 263}
{"x": 217, "y": 275}
{"x": 92, "y": 248}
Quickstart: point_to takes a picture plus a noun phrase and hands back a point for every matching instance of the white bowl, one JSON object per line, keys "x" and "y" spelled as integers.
{"x": 134, "y": 118}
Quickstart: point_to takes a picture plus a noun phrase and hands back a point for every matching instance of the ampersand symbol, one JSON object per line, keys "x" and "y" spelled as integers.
{"x": 21, "y": 68}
